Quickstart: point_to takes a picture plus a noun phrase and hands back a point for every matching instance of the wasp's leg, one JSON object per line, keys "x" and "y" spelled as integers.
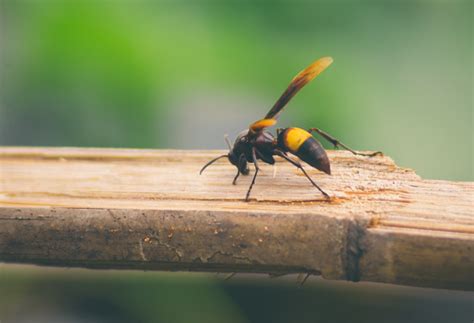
{"x": 297, "y": 164}
{"x": 241, "y": 159}
{"x": 254, "y": 157}
{"x": 301, "y": 279}
{"x": 229, "y": 276}
{"x": 234, "y": 182}
{"x": 338, "y": 144}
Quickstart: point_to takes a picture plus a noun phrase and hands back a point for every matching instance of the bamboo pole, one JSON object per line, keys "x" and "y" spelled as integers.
{"x": 149, "y": 209}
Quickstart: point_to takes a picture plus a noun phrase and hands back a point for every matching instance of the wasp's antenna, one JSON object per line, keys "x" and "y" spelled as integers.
{"x": 211, "y": 162}
{"x": 226, "y": 138}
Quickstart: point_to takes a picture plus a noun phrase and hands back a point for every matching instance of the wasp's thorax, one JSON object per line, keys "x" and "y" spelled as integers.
{"x": 262, "y": 142}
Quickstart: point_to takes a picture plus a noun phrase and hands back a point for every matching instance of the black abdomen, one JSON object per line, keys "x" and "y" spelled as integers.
{"x": 300, "y": 143}
{"x": 314, "y": 154}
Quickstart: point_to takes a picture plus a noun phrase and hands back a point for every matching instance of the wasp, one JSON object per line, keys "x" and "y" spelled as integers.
{"x": 256, "y": 143}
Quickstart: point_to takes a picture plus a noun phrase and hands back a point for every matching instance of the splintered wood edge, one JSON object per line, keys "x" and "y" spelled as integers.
{"x": 413, "y": 232}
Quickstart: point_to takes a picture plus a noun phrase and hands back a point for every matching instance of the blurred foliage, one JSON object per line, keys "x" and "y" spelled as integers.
{"x": 176, "y": 74}
{"x": 77, "y": 295}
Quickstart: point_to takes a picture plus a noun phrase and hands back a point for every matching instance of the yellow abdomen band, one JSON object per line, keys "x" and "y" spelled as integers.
{"x": 295, "y": 137}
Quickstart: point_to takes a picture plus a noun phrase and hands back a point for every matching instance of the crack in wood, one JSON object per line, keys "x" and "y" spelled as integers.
{"x": 356, "y": 231}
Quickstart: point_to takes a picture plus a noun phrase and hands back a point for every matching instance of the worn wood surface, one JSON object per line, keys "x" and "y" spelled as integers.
{"x": 149, "y": 209}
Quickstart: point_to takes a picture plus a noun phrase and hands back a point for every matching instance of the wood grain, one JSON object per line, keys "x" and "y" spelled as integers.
{"x": 149, "y": 209}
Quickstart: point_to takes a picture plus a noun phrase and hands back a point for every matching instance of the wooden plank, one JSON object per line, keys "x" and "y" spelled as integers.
{"x": 149, "y": 209}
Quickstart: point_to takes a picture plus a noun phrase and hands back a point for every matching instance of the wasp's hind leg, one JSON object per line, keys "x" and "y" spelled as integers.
{"x": 297, "y": 164}
{"x": 338, "y": 144}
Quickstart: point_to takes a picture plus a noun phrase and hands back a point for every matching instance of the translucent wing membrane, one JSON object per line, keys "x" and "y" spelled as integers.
{"x": 300, "y": 80}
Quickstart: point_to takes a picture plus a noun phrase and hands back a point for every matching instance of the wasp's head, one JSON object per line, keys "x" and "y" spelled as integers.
{"x": 238, "y": 152}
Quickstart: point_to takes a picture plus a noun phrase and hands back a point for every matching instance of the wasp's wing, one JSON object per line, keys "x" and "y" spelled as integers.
{"x": 262, "y": 124}
{"x": 300, "y": 80}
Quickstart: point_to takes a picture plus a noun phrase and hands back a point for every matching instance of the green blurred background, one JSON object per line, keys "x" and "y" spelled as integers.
{"x": 180, "y": 74}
